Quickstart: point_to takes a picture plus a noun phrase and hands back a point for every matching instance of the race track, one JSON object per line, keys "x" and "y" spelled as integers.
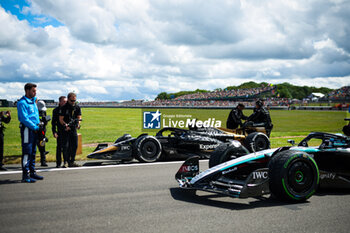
{"x": 145, "y": 198}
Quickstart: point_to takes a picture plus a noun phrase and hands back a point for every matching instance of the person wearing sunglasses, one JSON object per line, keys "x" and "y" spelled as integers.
{"x": 69, "y": 117}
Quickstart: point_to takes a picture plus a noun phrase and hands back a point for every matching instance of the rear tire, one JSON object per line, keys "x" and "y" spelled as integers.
{"x": 293, "y": 176}
{"x": 148, "y": 149}
{"x": 257, "y": 141}
{"x": 225, "y": 152}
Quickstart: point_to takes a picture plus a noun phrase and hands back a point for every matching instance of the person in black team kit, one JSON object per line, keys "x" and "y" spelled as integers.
{"x": 44, "y": 120}
{"x": 57, "y": 130}
{"x": 261, "y": 116}
{"x": 235, "y": 117}
{"x": 6, "y": 118}
{"x": 67, "y": 114}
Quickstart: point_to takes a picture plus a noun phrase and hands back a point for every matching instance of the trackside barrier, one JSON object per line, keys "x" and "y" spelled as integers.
{"x": 315, "y": 108}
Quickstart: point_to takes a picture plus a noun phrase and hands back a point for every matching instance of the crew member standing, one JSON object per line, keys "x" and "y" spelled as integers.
{"x": 57, "y": 130}
{"x": 44, "y": 120}
{"x": 261, "y": 115}
{"x": 235, "y": 117}
{"x": 28, "y": 116}
{"x": 69, "y": 113}
{"x": 6, "y": 118}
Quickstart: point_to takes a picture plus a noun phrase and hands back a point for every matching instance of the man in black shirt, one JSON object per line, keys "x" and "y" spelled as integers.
{"x": 69, "y": 113}
{"x": 235, "y": 117}
{"x": 57, "y": 130}
{"x": 261, "y": 116}
{"x": 6, "y": 118}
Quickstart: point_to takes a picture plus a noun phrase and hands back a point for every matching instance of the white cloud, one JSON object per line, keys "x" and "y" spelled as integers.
{"x": 12, "y": 31}
{"x": 138, "y": 48}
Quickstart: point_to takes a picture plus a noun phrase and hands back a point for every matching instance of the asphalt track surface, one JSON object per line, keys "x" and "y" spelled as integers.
{"x": 146, "y": 198}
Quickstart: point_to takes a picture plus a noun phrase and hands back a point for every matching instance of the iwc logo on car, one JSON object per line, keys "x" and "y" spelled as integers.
{"x": 152, "y": 120}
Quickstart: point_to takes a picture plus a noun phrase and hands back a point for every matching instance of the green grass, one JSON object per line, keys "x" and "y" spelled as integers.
{"x": 106, "y": 124}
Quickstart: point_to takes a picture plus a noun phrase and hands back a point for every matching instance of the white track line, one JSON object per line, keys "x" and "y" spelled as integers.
{"x": 97, "y": 167}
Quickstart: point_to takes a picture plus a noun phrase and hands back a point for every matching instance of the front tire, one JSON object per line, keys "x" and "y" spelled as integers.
{"x": 257, "y": 141}
{"x": 225, "y": 152}
{"x": 148, "y": 149}
{"x": 293, "y": 176}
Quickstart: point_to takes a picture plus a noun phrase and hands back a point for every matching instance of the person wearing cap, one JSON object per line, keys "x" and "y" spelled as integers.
{"x": 28, "y": 116}
{"x": 6, "y": 118}
{"x": 43, "y": 119}
{"x": 261, "y": 116}
{"x": 235, "y": 117}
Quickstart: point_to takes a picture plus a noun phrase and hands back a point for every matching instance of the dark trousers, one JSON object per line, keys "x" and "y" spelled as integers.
{"x": 42, "y": 151}
{"x": 29, "y": 140}
{"x": 1, "y": 148}
{"x": 59, "y": 149}
{"x": 70, "y": 145}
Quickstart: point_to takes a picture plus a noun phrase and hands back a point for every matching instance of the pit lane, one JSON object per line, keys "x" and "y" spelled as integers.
{"x": 145, "y": 198}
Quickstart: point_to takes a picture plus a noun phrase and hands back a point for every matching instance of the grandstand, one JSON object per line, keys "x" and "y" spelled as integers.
{"x": 248, "y": 93}
{"x": 337, "y": 99}
{"x": 247, "y": 96}
{"x": 222, "y": 98}
{"x": 342, "y": 94}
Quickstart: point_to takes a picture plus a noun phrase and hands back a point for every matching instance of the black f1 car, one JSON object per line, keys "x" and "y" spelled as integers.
{"x": 175, "y": 143}
{"x": 289, "y": 173}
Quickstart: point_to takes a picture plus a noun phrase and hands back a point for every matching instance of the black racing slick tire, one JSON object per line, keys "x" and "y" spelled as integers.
{"x": 346, "y": 130}
{"x": 257, "y": 141}
{"x": 225, "y": 152}
{"x": 293, "y": 176}
{"x": 148, "y": 149}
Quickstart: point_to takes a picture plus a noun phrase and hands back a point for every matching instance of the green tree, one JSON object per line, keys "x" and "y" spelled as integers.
{"x": 162, "y": 96}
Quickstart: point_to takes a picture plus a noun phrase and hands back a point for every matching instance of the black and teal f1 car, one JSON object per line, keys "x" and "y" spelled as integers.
{"x": 176, "y": 143}
{"x": 288, "y": 173}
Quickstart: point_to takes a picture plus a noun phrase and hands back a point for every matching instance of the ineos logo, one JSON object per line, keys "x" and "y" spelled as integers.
{"x": 189, "y": 168}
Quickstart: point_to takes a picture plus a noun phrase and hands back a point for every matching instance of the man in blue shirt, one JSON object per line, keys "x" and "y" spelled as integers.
{"x": 28, "y": 116}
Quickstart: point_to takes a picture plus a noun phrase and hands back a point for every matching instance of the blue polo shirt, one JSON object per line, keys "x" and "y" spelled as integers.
{"x": 28, "y": 113}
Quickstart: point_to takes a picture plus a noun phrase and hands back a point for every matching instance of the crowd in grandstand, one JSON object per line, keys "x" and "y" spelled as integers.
{"x": 219, "y": 103}
{"x": 226, "y": 94}
{"x": 342, "y": 93}
{"x": 225, "y": 98}
{"x": 188, "y": 103}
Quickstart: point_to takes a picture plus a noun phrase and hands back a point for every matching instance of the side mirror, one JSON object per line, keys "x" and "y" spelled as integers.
{"x": 291, "y": 142}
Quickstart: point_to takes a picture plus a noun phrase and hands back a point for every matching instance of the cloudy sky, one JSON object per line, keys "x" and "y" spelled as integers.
{"x": 135, "y": 49}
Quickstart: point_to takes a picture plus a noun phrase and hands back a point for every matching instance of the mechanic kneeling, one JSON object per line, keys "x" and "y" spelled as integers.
{"x": 261, "y": 117}
{"x": 235, "y": 117}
